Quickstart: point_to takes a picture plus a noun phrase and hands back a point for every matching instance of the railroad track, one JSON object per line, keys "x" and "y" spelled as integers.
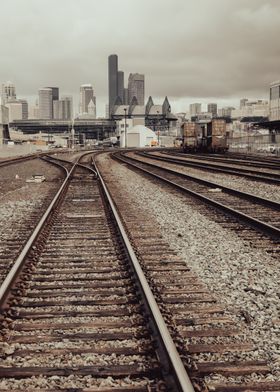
{"x": 257, "y": 162}
{"x": 76, "y": 311}
{"x": 220, "y": 355}
{"x": 259, "y": 213}
{"x": 266, "y": 176}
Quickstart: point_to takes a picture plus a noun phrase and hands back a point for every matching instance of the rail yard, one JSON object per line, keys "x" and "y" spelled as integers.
{"x": 132, "y": 270}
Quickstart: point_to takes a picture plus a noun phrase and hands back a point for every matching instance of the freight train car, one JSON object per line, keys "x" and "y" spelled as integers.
{"x": 205, "y": 137}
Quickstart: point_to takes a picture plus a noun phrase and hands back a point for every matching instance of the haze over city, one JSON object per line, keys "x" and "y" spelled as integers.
{"x": 190, "y": 51}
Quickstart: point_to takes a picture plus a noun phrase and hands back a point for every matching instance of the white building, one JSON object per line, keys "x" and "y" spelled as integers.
{"x": 195, "y": 108}
{"x": 63, "y": 108}
{"x": 138, "y": 136}
{"x": 258, "y": 108}
{"x": 46, "y": 103}
{"x": 274, "y": 101}
{"x": 15, "y": 111}
{"x": 92, "y": 109}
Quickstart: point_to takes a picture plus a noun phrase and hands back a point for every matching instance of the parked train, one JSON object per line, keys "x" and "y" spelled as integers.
{"x": 205, "y": 137}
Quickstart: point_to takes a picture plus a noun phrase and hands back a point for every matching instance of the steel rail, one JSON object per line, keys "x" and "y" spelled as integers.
{"x": 253, "y": 222}
{"x": 183, "y": 381}
{"x": 267, "y": 177}
{"x": 11, "y": 277}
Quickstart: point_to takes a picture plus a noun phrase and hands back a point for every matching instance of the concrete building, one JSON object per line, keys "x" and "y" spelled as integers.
{"x": 125, "y": 96}
{"x": 274, "y": 101}
{"x": 46, "y": 103}
{"x": 226, "y": 111}
{"x": 121, "y": 85}
{"x": 24, "y": 104}
{"x": 15, "y": 110}
{"x": 92, "y": 109}
{"x": 113, "y": 80}
{"x": 136, "y": 88}
{"x": 8, "y": 92}
{"x": 86, "y": 95}
{"x": 212, "y": 108}
{"x": 33, "y": 111}
{"x": 4, "y": 120}
{"x": 258, "y": 108}
{"x": 63, "y": 108}
{"x": 195, "y": 108}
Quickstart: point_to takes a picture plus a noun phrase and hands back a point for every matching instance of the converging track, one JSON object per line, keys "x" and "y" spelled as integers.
{"x": 77, "y": 312}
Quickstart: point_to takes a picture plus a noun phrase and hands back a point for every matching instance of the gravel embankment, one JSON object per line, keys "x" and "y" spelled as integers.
{"x": 268, "y": 191}
{"x": 21, "y": 205}
{"x": 245, "y": 279}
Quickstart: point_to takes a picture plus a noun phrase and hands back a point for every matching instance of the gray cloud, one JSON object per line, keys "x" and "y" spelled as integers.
{"x": 188, "y": 49}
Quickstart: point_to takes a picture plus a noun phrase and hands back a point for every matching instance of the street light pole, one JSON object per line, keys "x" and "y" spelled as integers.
{"x": 125, "y": 109}
{"x": 158, "y": 127}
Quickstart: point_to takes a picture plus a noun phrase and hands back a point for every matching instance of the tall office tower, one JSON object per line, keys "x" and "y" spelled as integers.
{"x": 24, "y": 104}
{"x": 243, "y": 102}
{"x": 125, "y": 96}
{"x": 136, "y": 88}
{"x": 55, "y": 93}
{"x": 113, "y": 80}
{"x": 63, "y": 108}
{"x": 8, "y": 92}
{"x": 86, "y": 95}
{"x": 212, "y": 108}
{"x": 92, "y": 109}
{"x": 195, "y": 108}
{"x": 121, "y": 85}
{"x": 46, "y": 103}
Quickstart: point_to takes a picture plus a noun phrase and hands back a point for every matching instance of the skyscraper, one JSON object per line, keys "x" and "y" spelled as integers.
{"x": 113, "y": 80}
{"x": 86, "y": 95}
{"x": 212, "y": 108}
{"x": 8, "y": 92}
{"x": 136, "y": 88}
{"x": 195, "y": 108}
{"x": 121, "y": 85}
{"x": 63, "y": 108}
{"x": 46, "y": 103}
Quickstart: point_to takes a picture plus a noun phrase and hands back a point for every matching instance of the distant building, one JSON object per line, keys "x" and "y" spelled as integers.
{"x": 258, "y": 108}
{"x": 15, "y": 110}
{"x": 24, "y": 104}
{"x": 195, "y": 108}
{"x": 33, "y": 112}
{"x": 112, "y": 80}
{"x": 121, "y": 85}
{"x": 92, "y": 109}
{"x": 125, "y": 96}
{"x": 136, "y": 88}
{"x": 63, "y": 108}
{"x": 46, "y": 103}
{"x": 212, "y": 108}
{"x": 55, "y": 93}
{"x": 226, "y": 111}
{"x": 274, "y": 101}
{"x": 8, "y": 92}
{"x": 86, "y": 95}
{"x": 243, "y": 102}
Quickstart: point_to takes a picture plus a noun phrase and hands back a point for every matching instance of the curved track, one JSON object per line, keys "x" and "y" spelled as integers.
{"x": 77, "y": 311}
{"x": 272, "y": 176}
{"x": 259, "y": 213}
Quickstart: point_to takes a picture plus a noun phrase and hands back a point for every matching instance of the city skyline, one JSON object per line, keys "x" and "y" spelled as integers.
{"x": 227, "y": 52}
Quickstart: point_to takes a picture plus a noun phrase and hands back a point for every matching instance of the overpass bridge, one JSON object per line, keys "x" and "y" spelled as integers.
{"x": 91, "y": 128}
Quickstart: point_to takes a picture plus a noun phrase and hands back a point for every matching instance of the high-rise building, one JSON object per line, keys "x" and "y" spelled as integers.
{"x": 212, "y": 108}
{"x": 113, "y": 80}
{"x": 15, "y": 110}
{"x": 86, "y": 95}
{"x": 125, "y": 96}
{"x": 136, "y": 88}
{"x": 46, "y": 103}
{"x": 24, "y": 104}
{"x": 243, "y": 102}
{"x": 63, "y": 108}
{"x": 121, "y": 85}
{"x": 274, "y": 101}
{"x": 195, "y": 108}
{"x": 55, "y": 93}
{"x": 8, "y": 92}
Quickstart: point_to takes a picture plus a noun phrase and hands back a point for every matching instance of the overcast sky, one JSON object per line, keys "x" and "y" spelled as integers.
{"x": 189, "y": 50}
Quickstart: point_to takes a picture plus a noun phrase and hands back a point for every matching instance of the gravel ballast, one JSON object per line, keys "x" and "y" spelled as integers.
{"x": 244, "y": 279}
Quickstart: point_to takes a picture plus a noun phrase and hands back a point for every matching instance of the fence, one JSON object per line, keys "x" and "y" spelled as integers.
{"x": 261, "y": 144}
